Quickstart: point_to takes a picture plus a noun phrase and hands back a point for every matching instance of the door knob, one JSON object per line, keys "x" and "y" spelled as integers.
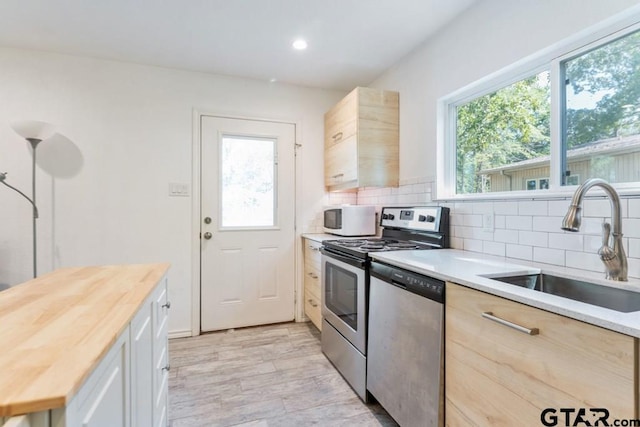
{"x": 207, "y": 235}
{"x": 207, "y": 220}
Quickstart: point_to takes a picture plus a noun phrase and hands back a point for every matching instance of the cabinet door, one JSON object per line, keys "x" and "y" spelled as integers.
{"x": 312, "y": 292}
{"x": 104, "y": 399}
{"x": 341, "y": 162}
{"x": 141, "y": 368}
{"x": 499, "y": 376}
{"x": 340, "y": 123}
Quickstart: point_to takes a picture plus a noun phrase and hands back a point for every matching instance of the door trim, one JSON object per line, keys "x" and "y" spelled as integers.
{"x": 196, "y": 204}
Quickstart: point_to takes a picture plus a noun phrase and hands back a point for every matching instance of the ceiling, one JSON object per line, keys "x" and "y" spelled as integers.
{"x": 351, "y": 42}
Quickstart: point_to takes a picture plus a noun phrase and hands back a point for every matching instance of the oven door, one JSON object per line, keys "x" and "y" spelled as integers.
{"x": 344, "y": 285}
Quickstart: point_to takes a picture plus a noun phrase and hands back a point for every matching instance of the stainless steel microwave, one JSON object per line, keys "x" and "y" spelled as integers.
{"x": 350, "y": 220}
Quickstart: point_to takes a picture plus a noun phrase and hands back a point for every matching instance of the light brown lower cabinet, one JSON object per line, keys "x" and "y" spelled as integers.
{"x": 312, "y": 287}
{"x": 517, "y": 365}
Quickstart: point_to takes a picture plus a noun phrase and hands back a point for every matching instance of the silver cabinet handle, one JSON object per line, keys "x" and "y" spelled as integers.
{"x": 337, "y": 176}
{"x": 314, "y": 248}
{"x": 489, "y": 315}
{"x": 167, "y": 304}
{"x": 312, "y": 275}
{"x": 166, "y": 368}
{"x": 313, "y": 304}
{"x": 337, "y": 137}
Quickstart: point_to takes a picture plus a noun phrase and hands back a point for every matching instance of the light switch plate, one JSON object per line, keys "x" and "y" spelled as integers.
{"x": 177, "y": 189}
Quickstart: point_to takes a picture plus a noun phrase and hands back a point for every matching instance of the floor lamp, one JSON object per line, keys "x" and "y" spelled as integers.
{"x": 34, "y": 132}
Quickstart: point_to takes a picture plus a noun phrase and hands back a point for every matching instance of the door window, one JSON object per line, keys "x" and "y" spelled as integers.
{"x": 247, "y": 181}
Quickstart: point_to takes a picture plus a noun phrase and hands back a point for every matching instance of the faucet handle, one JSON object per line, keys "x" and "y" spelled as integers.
{"x": 605, "y": 251}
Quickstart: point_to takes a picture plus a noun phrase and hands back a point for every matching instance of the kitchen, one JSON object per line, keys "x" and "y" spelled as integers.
{"x": 134, "y": 124}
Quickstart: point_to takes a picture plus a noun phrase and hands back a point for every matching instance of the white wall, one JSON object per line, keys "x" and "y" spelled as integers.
{"x": 132, "y": 125}
{"x": 489, "y": 36}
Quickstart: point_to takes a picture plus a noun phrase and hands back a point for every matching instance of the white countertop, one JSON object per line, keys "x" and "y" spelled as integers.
{"x": 321, "y": 237}
{"x": 470, "y": 269}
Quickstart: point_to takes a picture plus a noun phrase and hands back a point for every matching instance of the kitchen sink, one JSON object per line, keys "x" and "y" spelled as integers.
{"x": 578, "y": 290}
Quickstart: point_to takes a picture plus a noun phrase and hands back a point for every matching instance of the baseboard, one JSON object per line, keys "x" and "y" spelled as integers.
{"x": 180, "y": 334}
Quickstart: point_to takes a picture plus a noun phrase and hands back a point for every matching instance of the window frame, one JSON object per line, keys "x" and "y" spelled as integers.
{"x": 549, "y": 59}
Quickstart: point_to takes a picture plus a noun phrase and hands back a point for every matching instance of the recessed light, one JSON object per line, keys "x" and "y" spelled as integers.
{"x": 273, "y": 80}
{"x": 300, "y": 44}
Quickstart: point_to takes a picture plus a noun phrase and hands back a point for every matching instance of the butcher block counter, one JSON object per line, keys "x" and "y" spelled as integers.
{"x": 56, "y": 330}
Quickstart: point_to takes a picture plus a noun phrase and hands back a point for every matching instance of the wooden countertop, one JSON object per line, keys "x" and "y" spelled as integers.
{"x": 55, "y": 329}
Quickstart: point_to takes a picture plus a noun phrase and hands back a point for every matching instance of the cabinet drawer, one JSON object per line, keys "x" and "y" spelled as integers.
{"x": 312, "y": 282}
{"x": 312, "y": 309}
{"x": 312, "y": 256}
{"x": 497, "y": 375}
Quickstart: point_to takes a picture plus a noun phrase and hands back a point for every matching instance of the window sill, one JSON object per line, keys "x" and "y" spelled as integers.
{"x": 566, "y": 193}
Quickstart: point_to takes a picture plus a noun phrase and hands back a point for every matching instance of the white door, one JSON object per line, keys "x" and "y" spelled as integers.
{"x": 247, "y": 222}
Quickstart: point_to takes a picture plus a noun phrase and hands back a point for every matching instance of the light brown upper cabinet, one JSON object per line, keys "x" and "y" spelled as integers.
{"x": 361, "y": 134}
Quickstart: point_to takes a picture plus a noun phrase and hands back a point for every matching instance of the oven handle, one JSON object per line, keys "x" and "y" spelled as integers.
{"x": 346, "y": 259}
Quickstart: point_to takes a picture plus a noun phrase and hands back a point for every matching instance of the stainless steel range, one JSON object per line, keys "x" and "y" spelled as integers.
{"x": 345, "y": 283}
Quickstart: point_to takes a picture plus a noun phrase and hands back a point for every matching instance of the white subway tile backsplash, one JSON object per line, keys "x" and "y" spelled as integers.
{"x": 523, "y": 229}
{"x": 473, "y": 245}
{"x": 634, "y": 267}
{"x": 505, "y": 208}
{"x": 463, "y": 208}
{"x": 494, "y": 248}
{"x": 515, "y": 222}
{"x": 547, "y": 223}
{"x": 634, "y": 208}
{"x": 483, "y": 207}
{"x": 634, "y": 248}
{"x": 456, "y": 243}
{"x": 592, "y": 226}
{"x": 584, "y": 261}
{"x": 455, "y": 219}
{"x": 533, "y": 208}
{"x": 631, "y": 227}
{"x": 520, "y": 252}
{"x": 601, "y": 208}
{"x": 592, "y": 242}
{"x": 472, "y": 220}
{"x": 568, "y": 241}
{"x": 533, "y": 238}
{"x": 549, "y": 256}
{"x": 559, "y": 207}
{"x": 480, "y": 234}
{"x": 506, "y": 236}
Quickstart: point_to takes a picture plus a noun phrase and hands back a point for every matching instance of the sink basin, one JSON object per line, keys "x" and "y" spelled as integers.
{"x": 577, "y": 290}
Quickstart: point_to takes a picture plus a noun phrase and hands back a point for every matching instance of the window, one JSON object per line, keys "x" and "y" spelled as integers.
{"x": 556, "y": 119}
{"x": 602, "y": 112}
{"x": 247, "y": 167}
{"x": 537, "y": 184}
{"x": 498, "y": 134}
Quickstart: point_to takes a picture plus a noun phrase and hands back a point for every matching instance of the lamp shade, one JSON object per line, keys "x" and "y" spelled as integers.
{"x": 32, "y": 129}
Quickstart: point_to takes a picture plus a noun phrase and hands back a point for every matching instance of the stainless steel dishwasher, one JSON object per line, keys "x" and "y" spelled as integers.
{"x": 405, "y": 347}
